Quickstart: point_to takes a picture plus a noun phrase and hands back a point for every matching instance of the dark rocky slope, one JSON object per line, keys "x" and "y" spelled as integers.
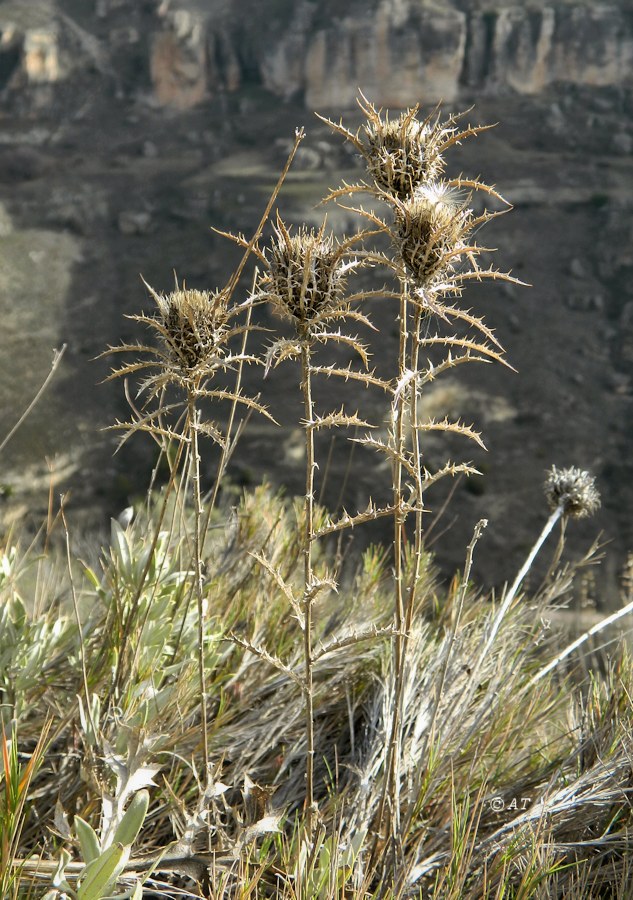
{"x": 128, "y": 128}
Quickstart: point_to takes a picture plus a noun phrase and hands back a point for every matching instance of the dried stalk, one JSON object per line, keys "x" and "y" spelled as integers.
{"x": 308, "y": 578}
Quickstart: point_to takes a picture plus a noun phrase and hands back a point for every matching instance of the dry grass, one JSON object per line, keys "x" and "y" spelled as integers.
{"x": 219, "y": 708}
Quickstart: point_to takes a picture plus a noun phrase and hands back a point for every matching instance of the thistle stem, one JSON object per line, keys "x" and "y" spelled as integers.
{"x": 308, "y": 537}
{"x": 193, "y": 424}
{"x": 391, "y": 787}
{"x": 516, "y": 584}
{"x": 417, "y": 465}
{"x": 569, "y": 649}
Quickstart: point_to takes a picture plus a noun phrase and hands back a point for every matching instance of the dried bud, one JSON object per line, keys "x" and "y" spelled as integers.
{"x": 401, "y": 153}
{"x": 306, "y": 276}
{"x": 572, "y": 489}
{"x": 194, "y": 325}
{"x": 430, "y": 230}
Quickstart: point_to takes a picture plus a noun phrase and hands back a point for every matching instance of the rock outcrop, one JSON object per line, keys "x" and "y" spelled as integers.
{"x": 398, "y": 51}
{"x": 43, "y": 49}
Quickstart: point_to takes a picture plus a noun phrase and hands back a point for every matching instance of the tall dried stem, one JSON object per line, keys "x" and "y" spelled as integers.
{"x": 304, "y": 277}
{"x": 308, "y": 576}
{"x": 432, "y": 256}
{"x": 569, "y": 493}
{"x": 391, "y": 786}
{"x": 192, "y": 429}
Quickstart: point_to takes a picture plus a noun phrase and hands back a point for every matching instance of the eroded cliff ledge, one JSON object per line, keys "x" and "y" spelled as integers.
{"x": 189, "y": 50}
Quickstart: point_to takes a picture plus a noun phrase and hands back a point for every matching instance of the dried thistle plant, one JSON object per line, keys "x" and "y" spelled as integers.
{"x": 570, "y": 493}
{"x": 304, "y": 276}
{"x": 433, "y": 256}
{"x": 402, "y": 153}
{"x": 194, "y": 330}
{"x": 419, "y": 741}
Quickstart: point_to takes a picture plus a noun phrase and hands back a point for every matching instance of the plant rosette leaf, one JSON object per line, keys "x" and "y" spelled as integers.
{"x": 100, "y": 875}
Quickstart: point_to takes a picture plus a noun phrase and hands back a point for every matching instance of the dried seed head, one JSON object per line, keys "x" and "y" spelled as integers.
{"x": 574, "y": 489}
{"x": 194, "y": 326}
{"x": 306, "y": 276}
{"x": 401, "y": 153}
{"x": 430, "y": 228}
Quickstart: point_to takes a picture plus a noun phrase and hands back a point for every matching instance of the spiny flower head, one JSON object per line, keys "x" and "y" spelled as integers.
{"x": 401, "y": 153}
{"x": 430, "y": 230}
{"x": 405, "y": 152}
{"x": 193, "y": 336}
{"x": 192, "y": 325}
{"x": 307, "y": 275}
{"x": 574, "y": 489}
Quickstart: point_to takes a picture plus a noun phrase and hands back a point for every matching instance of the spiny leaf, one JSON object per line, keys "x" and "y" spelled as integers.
{"x": 449, "y": 362}
{"x": 451, "y": 469}
{"x": 478, "y": 185}
{"x": 403, "y": 382}
{"x": 214, "y": 433}
{"x": 272, "y": 660}
{"x": 241, "y": 241}
{"x": 338, "y": 338}
{"x": 350, "y": 639}
{"x": 463, "y": 344}
{"x": 341, "y": 129}
{"x": 155, "y": 430}
{"x": 464, "y": 315}
{"x": 136, "y": 366}
{"x": 316, "y": 586}
{"x": 279, "y": 351}
{"x": 347, "y": 521}
{"x": 337, "y": 420}
{"x": 481, "y": 274}
{"x": 236, "y": 397}
{"x": 376, "y": 444}
{"x": 456, "y": 427}
{"x": 366, "y": 377}
{"x": 281, "y": 583}
{"x": 356, "y": 316}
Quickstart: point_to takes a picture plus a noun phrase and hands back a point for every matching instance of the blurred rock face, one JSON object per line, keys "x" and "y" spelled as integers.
{"x": 394, "y": 48}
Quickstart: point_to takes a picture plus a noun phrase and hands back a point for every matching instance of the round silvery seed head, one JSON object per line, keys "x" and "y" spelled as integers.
{"x": 574, "y": 489}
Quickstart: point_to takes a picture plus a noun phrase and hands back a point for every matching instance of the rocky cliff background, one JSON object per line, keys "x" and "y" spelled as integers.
{"x": 129, "y": 127}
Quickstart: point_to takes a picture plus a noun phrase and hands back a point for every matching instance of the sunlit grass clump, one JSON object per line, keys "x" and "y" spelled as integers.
{"x": 505, "y": 782}
{"x": 219, "y": 707}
